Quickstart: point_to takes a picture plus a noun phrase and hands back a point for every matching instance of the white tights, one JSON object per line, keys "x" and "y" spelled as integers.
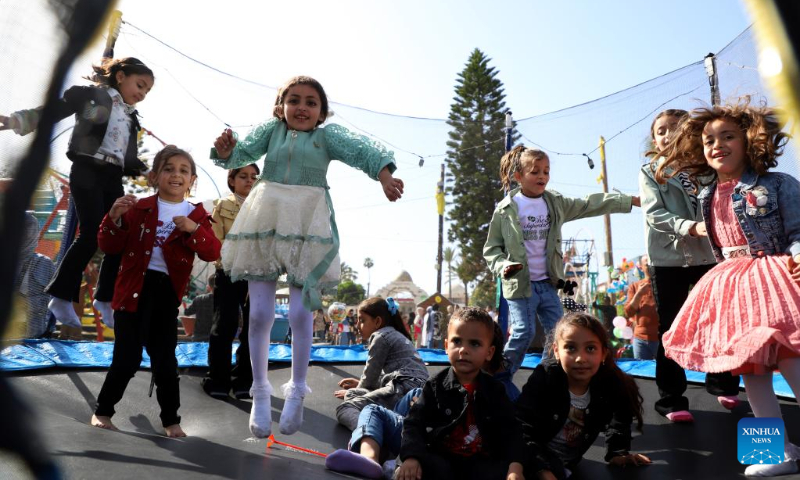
{"x": 764, "y": 403}
{"x": 262, "y": 317}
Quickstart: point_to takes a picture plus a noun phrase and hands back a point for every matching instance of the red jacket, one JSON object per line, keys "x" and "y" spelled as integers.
{"x": 135, "y": 239}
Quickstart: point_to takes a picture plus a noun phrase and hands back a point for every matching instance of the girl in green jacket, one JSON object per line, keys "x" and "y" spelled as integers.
{"x": 523, "y": 247}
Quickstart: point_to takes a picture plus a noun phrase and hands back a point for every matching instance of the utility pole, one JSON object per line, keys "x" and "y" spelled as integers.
{"x": 609, "y": 256}
{"x": 710, "y": 62}
{"x": 440, "y": 210}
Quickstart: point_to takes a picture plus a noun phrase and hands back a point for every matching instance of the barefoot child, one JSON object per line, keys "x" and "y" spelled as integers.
{"x": 158, "y": 237}
{"x": 569, "y": 399}
{"x": 463, "y": 425}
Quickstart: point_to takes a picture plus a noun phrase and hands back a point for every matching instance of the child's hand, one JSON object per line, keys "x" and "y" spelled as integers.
{"x": 340, "y": 394}
{"x": 224, "y": 144}
{"x": 515, "y": 472}
{"x": 121, "y": 205}
{"x": 7, "y": 123}
{"x": 630, "y": 459}
{"x": 698, "y": 230}
{"x": 348, "y": 383}
{"x": 184, "y": 224}
{"x": 511, "y": 270}
{"x": 794, "y": 267}
{"x": 410, "y": 469}
{"x": 636, "y": 201}
{"x": 392, "y": 187}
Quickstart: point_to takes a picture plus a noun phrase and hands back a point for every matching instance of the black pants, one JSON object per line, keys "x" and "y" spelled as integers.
{"x": 154, "y": 326}
{"x": 475, "y": 467}
{"x": 229, "y": 298}
{"x": 94, "y": 185}
{"x": 671, "y": 288}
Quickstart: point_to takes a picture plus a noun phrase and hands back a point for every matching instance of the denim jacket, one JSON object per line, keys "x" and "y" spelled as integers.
{"x": 770, "y": 229}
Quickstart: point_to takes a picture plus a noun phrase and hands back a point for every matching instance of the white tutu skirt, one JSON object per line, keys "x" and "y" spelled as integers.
{"x": 284, "y": 229}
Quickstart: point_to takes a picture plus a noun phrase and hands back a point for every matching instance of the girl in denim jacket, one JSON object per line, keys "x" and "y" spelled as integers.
{"x": 679, "y": 257}
{"x": 743, "y": 315}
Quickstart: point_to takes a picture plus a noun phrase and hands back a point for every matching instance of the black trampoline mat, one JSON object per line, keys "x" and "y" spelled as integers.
{"x": 219, "y": 444}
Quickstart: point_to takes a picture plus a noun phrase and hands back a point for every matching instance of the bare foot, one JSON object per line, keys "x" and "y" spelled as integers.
{"x": 174, "y": 431}
{"x": 102, "y": 422}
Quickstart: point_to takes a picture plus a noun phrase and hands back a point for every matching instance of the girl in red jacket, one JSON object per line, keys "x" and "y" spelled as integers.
{"x": 158, "y": 237}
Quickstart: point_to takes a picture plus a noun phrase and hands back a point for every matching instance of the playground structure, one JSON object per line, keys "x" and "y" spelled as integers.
{"x": 578, "y": 256}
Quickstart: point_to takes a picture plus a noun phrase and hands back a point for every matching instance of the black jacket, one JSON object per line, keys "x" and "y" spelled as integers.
{"x": 543, "y": 407}
{"x": 91, "y": 106}
{"x": 443, "y": 405}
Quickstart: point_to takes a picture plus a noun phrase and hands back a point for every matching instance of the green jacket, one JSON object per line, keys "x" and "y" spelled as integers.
{"x": 505, "y": 246}
{"x": 668, "y": 216}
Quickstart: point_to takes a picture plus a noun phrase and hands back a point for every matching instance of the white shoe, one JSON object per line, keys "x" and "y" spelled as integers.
{"x": 105, "y": 311}
{"x": 261, "y": 411}
{"x": 64, "y": 313}
{"x": 292, "y": 414}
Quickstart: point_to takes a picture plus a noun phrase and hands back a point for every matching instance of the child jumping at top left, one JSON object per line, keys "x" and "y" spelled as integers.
{"x": 158, "y": 237}
{"x": 102, "y": 150}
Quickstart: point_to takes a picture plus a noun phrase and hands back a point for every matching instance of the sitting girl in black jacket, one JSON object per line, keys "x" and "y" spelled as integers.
{"x": 571, "y": 398}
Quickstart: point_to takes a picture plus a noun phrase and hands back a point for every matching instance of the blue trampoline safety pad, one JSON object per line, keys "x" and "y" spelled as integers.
{"x": 38, "y": 354}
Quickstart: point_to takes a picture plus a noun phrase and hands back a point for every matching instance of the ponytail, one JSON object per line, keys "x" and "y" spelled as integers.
{"x": 388, "y": 310}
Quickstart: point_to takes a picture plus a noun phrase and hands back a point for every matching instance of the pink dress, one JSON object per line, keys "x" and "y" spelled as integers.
{"x": 744, "y": 314}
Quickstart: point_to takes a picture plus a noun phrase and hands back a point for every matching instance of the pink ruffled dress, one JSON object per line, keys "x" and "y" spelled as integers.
{"x": 743, "y": 316}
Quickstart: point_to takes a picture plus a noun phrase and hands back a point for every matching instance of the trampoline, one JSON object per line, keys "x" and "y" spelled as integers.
{"x": 219, "y": 445}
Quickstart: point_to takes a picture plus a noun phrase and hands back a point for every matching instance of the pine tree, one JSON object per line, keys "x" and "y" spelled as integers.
{"x": 475, "y": 147}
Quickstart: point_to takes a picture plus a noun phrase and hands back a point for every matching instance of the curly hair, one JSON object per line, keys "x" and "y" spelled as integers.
{"x": 513, "y": 161}
{"x": 764, "y": 140}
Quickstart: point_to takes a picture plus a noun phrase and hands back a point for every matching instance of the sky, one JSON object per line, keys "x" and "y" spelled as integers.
{"x": 400, "y": 58}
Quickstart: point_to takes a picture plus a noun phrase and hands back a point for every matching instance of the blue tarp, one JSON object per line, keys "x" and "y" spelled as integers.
{"x": 38, "y": 354}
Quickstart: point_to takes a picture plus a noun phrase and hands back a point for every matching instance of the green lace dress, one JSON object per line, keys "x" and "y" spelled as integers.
{"x": 287, "y": 225}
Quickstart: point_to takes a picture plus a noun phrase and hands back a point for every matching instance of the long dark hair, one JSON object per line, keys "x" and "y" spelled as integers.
{"x": 377, "y": 307}
{"x": 609, "y": 366}
{"x": 106, "y": 72}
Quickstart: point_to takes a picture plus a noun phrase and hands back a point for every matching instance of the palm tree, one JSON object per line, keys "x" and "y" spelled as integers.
{"x": 466, "y": 273}
{"x": 348, "y": 274}
{"x": 449, "y": 255}
{"x": 368, "y": 264}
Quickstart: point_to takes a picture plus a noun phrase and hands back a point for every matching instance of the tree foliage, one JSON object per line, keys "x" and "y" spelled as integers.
{"x": 476, "y": 144}
{"x": 350, "y": 293}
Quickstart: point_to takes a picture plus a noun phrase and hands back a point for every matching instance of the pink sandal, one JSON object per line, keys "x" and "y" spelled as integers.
{"x": 681, "y": 416}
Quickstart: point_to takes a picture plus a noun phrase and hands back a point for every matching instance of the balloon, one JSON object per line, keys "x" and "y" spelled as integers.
{"x": 618, "y": 332}
{"x": 620, "y": 322}
{"x": 627, "y": 333}
{"x": 337, "y": 311}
